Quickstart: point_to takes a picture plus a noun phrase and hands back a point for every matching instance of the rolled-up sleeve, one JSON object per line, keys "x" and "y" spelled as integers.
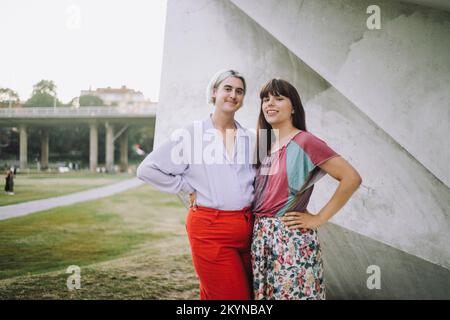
{"x": 159, "y": 170}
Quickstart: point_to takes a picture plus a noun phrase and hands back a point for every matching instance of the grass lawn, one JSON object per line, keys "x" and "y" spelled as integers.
{"x": 47, "y": 185}
{"x": 129, "y": 246}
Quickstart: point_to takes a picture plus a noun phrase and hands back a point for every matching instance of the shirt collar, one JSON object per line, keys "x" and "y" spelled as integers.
{"x": 208, "y": 124}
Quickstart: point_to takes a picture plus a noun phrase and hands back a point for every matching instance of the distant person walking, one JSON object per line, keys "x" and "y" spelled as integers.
{"x": 9, "y": 182}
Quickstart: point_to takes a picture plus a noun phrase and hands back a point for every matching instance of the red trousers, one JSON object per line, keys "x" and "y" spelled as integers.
{"x": 220, "y": 244}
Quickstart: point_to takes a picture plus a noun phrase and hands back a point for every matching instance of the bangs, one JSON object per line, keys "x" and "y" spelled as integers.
{"x": 275, "y": 87}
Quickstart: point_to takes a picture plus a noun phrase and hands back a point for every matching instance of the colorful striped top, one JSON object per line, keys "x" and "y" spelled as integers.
{"x": 285, "y": 180}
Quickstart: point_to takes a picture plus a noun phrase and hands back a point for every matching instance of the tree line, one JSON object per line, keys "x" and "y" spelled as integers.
{"x": 43, "y": 95}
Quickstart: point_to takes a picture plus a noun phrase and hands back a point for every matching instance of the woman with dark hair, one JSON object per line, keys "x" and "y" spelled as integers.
{"x": 286, "y": 255}
{"x": 220, "y": 188}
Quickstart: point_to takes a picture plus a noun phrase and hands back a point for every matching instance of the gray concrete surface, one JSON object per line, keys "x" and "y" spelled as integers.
{"x": 379, "y": 98}
{"x": 399, "y": 76}
{"x": 349, "y": 257}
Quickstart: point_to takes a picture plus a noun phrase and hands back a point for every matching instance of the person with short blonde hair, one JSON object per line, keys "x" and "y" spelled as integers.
{"x": 219, "y": 222}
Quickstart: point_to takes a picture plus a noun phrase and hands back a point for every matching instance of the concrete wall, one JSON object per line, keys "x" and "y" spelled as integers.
{"x": 398, "y": 76}
{"x": 380, "y": 104}
{"x": 437, "y": 4}
{"x": 204, "y": 36}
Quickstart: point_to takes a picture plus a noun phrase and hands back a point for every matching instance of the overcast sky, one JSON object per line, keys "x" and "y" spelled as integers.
{"x": 81, "y": 43}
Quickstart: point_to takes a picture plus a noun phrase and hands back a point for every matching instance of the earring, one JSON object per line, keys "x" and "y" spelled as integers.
{"x": 292, "y": 112}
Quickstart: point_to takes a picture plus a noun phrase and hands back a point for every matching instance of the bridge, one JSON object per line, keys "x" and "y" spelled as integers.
{"x": 115, "y": 119}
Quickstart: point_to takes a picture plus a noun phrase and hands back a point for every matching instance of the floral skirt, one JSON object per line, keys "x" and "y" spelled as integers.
{"x": 287, "y": 264}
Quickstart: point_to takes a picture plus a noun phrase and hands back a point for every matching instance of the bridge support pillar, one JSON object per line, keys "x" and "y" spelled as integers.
{"x": 93, "y": 147}
{"x": 109, "y": 147}
{"x": 44, "y": 149}
{"x": 124, "y": 151}
{"x": 23, "y": 147}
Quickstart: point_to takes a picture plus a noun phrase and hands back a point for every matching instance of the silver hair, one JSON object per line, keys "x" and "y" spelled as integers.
{"x": 217, "y": 79}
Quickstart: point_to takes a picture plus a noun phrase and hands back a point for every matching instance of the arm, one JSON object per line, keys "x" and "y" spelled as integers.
{"x": 159, "y": 170}
{"x": 349, "y": 180}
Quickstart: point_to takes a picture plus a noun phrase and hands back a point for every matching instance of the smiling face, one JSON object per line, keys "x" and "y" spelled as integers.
{"x": 279, "y": 99}
{"x": 280, "y": 106}
{"x": 277, "y": 109}
{"x": 229, "y": 96}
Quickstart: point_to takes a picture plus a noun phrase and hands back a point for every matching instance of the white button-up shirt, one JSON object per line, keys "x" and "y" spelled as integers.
{"x": 195, "y": 159}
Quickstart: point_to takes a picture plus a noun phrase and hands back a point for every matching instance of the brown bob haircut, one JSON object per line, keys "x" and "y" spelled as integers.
{"x": 277, "y": 87}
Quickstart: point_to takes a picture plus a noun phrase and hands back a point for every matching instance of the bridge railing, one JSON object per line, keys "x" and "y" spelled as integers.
{"x": 76, "y": 112}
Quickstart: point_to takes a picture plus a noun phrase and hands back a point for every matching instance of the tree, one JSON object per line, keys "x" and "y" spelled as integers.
{"x": 8, "y": 98}
{"x": 42, "y": 100}
{"x": 44, "y": 95}
{"x": 45, "y": 86}
{"x": 91, "y": 101}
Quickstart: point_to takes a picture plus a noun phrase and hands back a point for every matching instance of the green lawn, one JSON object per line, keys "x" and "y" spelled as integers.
{"x": 129, "y": 246}
{"x": 42, "y": 186}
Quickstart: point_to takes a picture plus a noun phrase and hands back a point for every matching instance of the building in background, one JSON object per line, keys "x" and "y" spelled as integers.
{"x": 120, "y": 97}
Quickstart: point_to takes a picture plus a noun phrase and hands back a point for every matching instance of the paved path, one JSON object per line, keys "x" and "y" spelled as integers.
{"x": 22, "y": 209}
